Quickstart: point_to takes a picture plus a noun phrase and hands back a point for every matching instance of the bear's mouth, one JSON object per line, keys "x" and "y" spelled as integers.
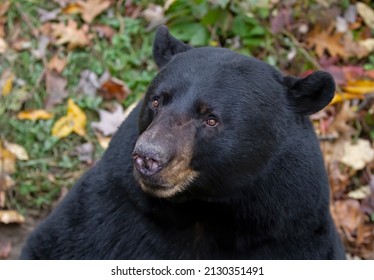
{"x": 168, "y": 182}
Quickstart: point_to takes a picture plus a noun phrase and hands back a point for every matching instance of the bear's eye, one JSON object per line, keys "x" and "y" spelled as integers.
{"x": 211, "y": 122}
{"x": 155, "y": 103}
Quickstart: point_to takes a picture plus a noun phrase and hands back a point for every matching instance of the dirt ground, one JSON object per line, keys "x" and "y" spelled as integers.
{"x": 13, "y": 236}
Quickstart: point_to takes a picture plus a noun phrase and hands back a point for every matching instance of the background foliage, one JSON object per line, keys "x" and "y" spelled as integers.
{"x": 69, "y": 68}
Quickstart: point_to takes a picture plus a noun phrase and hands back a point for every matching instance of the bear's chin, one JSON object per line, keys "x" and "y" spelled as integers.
{"x": 160, "y": 191}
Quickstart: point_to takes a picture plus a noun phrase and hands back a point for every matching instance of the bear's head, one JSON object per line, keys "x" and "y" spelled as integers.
{"x": 212, "y": 114}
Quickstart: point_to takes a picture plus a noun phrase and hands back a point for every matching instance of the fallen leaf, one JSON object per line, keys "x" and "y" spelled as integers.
{"x": 58, "y": 64}
{"x": 6, "y": 182}
{"x": 34, "y": 115}
{"x": 366, "y": 13}
{"x": 21, "y": 44}
{"x": 43, "y": 43}
{"x": 154, "y": 15}
{"x": 17, "y": 150}
{"x": 343, "y": 96}
{"x": 359, "y": 87}
{"x": 368, "y": 44}
{"x": 4, "y": 7}
{"x": 114, "y": 89}
{"x": 88, "y": 83}
{"x": 92, "y": 8}
{"x": 348, "y": 216}
{"x": 74, "y": 121}
{"x": 281, "y": 20}
{"x": 85, "y": 152}
{"x": 321, "y": 40}
{"x": 7, "y": 160}
{"x": 6, "y": 82}
{"x": 10, "y": 217}
{"x": 340, "y": 125}
{"x": 360, "y": 193}
{"x": 55, "y": 87}
{"x": 104, "y": 31}
{"x": 103, "y": 141}
{"x": 70, "y": 34}
{"x": 5, "y": 249}
{"x": 357, "y": 155}
{"x": 3, "y": 45}
{"x": 109, "y": 121}
{"x": 45, "y": 15}
{"x": 72, "y": 8}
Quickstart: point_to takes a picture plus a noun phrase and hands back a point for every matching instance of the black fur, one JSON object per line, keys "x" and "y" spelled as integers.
{"x": 262, "y": 190}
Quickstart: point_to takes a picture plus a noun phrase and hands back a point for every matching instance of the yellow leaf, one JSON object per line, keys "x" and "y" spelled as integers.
{"x": 74, "y": 121}
{"x": 79, "y": 117}
{"x": 34, "y": 115}
{"x": 11, "y": 216}
{"x": 343, "y": 96}
{"x": 7, "y": 84}
{"x": 63, "y": 127}
{"x": 360, "y": 87}
{"x": 7, "y": 160}
{"x": 17, "y": 150}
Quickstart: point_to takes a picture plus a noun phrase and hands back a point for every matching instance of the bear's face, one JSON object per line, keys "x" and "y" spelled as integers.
{"x": 204, "y": 108}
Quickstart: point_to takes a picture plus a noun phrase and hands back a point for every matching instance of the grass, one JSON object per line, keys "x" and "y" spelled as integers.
{"x": 53, "y": 163}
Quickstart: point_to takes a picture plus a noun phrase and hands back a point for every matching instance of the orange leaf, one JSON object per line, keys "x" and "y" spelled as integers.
{"x": 6, "y": 82}
{"x": 7, "y": 160}
{"x": 72, "y": 8}
{"x": 34, "y": 115}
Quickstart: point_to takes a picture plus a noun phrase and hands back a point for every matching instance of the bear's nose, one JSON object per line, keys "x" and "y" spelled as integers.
{"x": 147, "y": 166}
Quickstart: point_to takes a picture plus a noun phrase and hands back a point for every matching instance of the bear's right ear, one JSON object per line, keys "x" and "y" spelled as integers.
{"x": 310, "y": 94}
{"x": 166, "y": 46}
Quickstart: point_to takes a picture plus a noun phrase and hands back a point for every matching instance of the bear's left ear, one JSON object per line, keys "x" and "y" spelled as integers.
{"x": 166, "y": 46}
{"x": 310, "y": 94}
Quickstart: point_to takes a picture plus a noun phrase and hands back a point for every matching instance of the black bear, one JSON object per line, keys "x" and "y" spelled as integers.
{"x": 219, "y": 161}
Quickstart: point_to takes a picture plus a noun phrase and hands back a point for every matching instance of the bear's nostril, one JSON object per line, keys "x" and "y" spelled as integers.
{"x": 146, "y": 165}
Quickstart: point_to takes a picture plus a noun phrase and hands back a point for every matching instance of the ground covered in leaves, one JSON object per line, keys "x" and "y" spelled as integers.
{"x": 69, "y": 70}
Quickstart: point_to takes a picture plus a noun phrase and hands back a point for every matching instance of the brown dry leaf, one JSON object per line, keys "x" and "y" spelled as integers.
{"x": 348, "y": 216}
{"x": 6, "y": 82}
{"x": 34, "y": 115}
{"x": 337, "y": 179}
{"x": 7, "y": 160}
{"x": 17, "y": 150}
{"x": 357, "y": 155}
{"x": 10, "y": 217}
{"x": 104, "y": 31}
{"x": 55, "y": 87}
{"x": 58, "y": 64}
{"x": 4, "y": 7}
{"x": 103, "y": 141}
{"x": 43, "y": 43}
{"x": 88, "y": 83}
{"x": 359, "y": 87}
{"x": 74, "y": 121}
{"x": 323, "y": 41}
{"x": 114, "y": 88}
{"x": 154, "y": 15}
{"x": 109, "y": 121}
{"x": 93, "y": 8}
{"x": 340, "y": 126}
{"x": 366, "y": 13}
{"x": 368, "y": 44}
{"x": 71, "y": 35}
